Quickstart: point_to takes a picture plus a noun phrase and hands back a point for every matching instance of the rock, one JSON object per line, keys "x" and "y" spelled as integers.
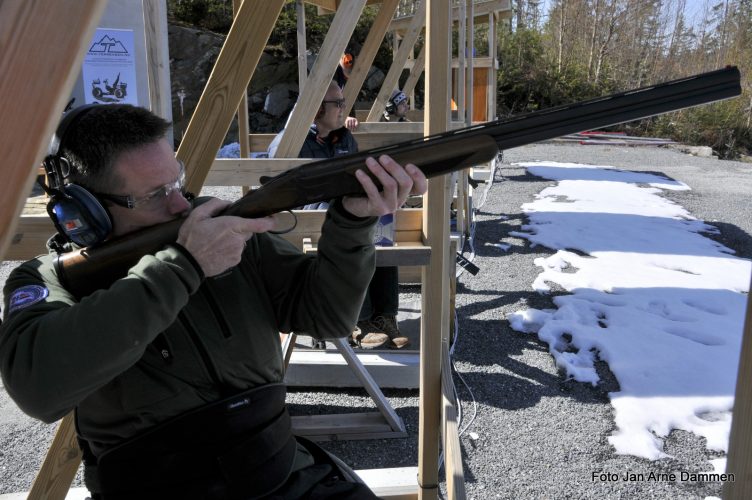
{"x": 280, "y": 99}
{"x": 374, "y": 79}
{"x": 700, "y": 151}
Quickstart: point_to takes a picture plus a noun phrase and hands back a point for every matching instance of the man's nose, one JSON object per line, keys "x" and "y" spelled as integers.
{"x": 177, "y": 203}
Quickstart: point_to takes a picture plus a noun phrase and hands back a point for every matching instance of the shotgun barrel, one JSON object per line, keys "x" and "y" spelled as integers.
{"x": 89, "y": 269}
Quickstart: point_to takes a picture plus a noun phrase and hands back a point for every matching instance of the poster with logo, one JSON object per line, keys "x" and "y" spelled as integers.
{"x": 109, "y": 70}
{"x": 384, "y": 235}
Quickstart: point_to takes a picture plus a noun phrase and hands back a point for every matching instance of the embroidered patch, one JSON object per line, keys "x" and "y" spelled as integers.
{"x": 27, "y": 296}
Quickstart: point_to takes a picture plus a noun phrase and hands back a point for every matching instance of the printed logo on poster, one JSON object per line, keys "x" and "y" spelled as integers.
{"x": 109, "y": 70}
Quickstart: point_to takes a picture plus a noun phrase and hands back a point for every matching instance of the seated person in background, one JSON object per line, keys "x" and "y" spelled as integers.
{"x": 327, "y": 138}
{"x": 175, "y": 370}
{"x": 396, "y": 108}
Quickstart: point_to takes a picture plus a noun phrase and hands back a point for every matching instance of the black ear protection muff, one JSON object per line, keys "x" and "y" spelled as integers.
{"x": 78, "y": 215}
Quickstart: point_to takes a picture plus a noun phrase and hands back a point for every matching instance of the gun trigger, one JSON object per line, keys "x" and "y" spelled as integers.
{"x": 264, "y": 179}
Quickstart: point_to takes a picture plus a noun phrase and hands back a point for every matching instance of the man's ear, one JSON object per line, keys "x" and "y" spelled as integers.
{"x": 320, "y": 112}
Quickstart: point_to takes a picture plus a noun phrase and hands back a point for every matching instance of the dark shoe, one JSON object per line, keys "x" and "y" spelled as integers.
{"x": 318, "y": 344}
{"x": 366, "y": 336}
{"x": 388, "y": 324}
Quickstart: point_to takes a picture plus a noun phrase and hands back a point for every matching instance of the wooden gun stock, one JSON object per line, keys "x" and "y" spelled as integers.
{"x": 90, "y": 269}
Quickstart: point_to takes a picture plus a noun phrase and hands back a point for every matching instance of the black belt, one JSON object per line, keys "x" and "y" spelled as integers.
{"x": 239, "y": 447}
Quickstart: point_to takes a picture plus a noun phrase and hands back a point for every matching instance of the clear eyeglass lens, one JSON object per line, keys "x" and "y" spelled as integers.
{"x": 159, "y": 195}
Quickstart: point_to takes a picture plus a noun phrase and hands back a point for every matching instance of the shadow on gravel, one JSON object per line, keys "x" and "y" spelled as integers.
{"x": 733, "y": 237}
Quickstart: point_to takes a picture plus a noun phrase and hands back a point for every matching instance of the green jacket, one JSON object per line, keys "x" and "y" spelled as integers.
{"x": 162, "y": 340}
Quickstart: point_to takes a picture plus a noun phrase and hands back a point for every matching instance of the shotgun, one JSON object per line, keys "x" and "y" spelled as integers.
{"x": 89, "y": 269}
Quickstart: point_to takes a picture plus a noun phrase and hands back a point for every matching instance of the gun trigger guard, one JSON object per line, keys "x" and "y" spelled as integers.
{"x": 285, "y": 231}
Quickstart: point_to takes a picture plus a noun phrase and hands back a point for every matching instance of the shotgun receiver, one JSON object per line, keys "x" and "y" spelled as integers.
{"x": 89, "y": 269}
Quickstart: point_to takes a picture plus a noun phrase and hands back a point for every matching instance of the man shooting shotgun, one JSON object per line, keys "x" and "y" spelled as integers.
{"x": 175, "y": 370}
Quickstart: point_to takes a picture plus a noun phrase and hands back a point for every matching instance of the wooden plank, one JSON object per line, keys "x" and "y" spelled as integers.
{"x": 228, "y": 81}
{"x": 435, "y": 307}
{"x": 326, "y": 7}
{"x": 247, "y": 171}
{"x": 394, "y": 483}
{"x": 30, "y": 238}
{"x": 157, "y": 57}
{"x": 461, "y": 60}
{"x": 365, "y": 59}
{"x": 301, "y": 39}
{"x": 60, "y": 466}
{"x": 391, "y": 81}
{"x": 370, "y": 140}
{"x": 309, "y": 100}
{"x": 470, "y": 38}
{"x": 455, "y": 476}
{"x": 482, "y": 9}
{"x": 327, "y": 368}
{"x": 419, "y": 65}
{"x": 343, "y": 426}
{"x": 35, "y": 86}
{"x": 739, "y": 460}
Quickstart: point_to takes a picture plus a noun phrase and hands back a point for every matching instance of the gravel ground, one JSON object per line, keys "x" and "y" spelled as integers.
{"x": 535, "y": 434}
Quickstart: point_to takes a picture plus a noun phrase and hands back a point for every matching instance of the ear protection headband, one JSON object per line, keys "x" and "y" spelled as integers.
{"x": 394, "y": 101}
{"x": 78, "y": 215}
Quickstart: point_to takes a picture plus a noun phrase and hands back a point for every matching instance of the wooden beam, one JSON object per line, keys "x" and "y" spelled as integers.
{"x": 228, "y": 81}
{"x": 415, "y": 72}
{"x": 739, "y": 460}
{"x": 317, "y": 83}
{"x": 482, "y": 9}
{"x": 455, "y": 476}
{"x": 302, "y": 50}
{"x": 470, "y": 39}
{"x": 157, "y": 59}
{"x": 41, "y": 59}
{"x": 368, "y": 53}
{"x": 391, "y": 81}
{"x": 60, "y": 465}
{"x": 435, "y": 288}
{"x": 326, "y": 7}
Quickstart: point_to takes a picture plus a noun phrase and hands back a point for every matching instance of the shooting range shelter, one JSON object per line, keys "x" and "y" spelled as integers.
{"x": 38, "y": 82}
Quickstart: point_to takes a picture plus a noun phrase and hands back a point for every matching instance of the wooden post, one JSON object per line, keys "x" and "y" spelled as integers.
{"x": 739, "y": 460}
{"x": 470, "y": 60}
{"x": 243, "y": 131}
{"x": 461, "y": 61}
{"x": 435, "y": 288}
{"x": 391, "y": 81}
{"x": 157, "y": 62}
{"x": 302, "y": 48}
{"x": 228, "y": 81}
{"x": 491, "y": 92}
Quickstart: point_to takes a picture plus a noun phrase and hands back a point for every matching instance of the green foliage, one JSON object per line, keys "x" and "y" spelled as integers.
{"x": 528, "y": 82}
{"x": 213, "y": 15}
{"x": 720, "y": 125}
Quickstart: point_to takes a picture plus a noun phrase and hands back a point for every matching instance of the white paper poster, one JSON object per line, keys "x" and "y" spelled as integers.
{"x": 109, "y": 70}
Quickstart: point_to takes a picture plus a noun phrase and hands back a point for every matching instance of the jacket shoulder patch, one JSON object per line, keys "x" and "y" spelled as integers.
{"x": 27, "y": 296}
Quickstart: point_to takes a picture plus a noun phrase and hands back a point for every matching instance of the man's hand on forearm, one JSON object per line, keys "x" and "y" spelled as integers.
{"x": 398, "y": 183}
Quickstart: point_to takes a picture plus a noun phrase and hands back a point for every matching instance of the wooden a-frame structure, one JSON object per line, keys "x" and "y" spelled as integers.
{"x": 36, "y": 83}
